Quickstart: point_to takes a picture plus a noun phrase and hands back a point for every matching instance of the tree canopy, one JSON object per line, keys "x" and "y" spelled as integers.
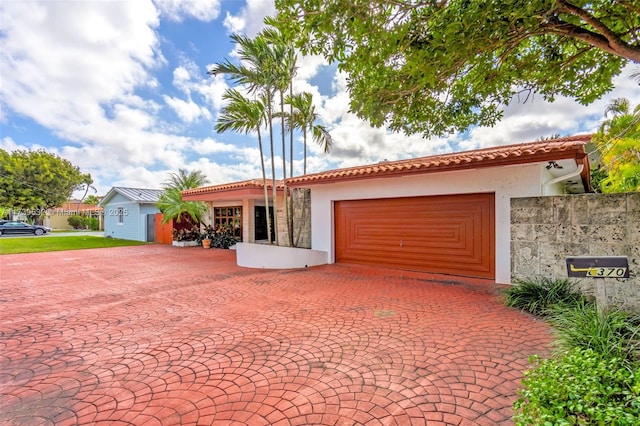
{"x": 436, "y": 67}
{"x": 33, "y": 181}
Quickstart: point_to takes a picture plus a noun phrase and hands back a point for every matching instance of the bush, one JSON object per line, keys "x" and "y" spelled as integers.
{"x": 537, "y": 296}
{"x": 223, "y": 239}
{"x": 581, "y": 387}
{"x": 76, "y": 221}
{"x": 192, "y": 234}
{"x": 220, "y": 236}
{"x": 92, "y": 223}
{"x": 613, "y": 333}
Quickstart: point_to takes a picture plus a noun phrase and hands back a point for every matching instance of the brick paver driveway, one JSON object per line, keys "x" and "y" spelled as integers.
{"x": 162, "y": 335}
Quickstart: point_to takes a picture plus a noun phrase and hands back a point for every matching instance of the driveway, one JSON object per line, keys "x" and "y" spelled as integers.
{"x": 160, "y": 335}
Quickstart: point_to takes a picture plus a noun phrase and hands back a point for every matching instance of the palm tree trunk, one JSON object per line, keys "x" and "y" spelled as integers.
{"x": 291, "y": 132}
{"x": 273, "y": 171}
{"x": 284, "y": 171}
{"x": 290, "y": 204}
{"x": 304, "y": 132}
{"x": 264, "y": 184}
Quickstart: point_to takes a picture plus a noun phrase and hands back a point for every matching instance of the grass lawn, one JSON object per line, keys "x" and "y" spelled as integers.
{"x": 38, "y": 244}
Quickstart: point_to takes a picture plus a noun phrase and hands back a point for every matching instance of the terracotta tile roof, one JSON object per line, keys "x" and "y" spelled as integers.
{"x": 245, "y": 184}
{"x": 562, "y": 148}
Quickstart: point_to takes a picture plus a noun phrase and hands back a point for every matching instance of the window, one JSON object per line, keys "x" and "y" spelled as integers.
{"x": 231, "y": 217}
{"x": 120, "y": 215}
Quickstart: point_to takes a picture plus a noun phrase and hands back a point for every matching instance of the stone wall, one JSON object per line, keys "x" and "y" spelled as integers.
{"x": 301, "y": 219}
{"x": 546, "y": 230}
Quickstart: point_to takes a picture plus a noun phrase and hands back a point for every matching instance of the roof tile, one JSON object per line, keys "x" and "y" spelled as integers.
{"x": 252, "y": 183}
{"x": 569, "y": 147}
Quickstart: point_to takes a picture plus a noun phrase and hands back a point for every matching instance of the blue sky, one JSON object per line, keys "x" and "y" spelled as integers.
{"x": 120, "y": 88}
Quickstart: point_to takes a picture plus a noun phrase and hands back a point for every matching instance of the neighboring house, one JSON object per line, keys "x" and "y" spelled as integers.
{"x": 129, "y": 213}
{"x": 57, "y": 217}
{"x": 446, "y": 214}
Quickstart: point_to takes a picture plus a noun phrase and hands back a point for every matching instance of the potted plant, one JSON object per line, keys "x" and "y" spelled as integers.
{"x": 206, "y": 236}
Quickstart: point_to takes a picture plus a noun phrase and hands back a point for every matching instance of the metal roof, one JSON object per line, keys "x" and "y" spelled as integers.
{"x": 139, "y": 195}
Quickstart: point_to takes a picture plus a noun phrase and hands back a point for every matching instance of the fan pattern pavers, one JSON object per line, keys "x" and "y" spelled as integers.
{"x": 157, "y": 335}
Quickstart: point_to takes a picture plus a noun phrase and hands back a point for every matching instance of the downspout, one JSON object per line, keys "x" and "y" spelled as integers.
{"x": 574, "y": 173}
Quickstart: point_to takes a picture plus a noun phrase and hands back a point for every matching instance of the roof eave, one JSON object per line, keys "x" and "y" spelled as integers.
{"x": 576, "y": 152}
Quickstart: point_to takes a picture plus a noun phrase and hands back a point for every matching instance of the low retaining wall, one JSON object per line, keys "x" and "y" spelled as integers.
{"x": 547, "y": 230}
{"x": 266, "y": 256}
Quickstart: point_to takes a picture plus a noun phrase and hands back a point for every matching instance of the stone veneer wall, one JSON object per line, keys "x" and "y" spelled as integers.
{"x": 546, "y": 230}
{"x": 301, "y": 219}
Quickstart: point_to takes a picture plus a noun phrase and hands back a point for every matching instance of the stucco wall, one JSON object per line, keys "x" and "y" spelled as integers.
{"x": 546, "y": 230}
{"x": 506, "y": 182}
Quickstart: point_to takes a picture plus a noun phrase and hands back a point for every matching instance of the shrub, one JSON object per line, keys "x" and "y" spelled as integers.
{"x": 223, "y": 239}
{"x": 76, "y": 221}
{"x": 581, "y": 387}
{"x": 192, "y": 234}
{"x": 539, "y": 295}
{"x": 220, "y": 236}
{"x": 613, "y": 333}
{"x": 92, "y": 223}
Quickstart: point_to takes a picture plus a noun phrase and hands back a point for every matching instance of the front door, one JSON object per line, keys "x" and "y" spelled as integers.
{"x": 261, "y": 223}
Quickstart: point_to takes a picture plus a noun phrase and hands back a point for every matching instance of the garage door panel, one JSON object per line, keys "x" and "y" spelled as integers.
{"x": 443, "y": 234}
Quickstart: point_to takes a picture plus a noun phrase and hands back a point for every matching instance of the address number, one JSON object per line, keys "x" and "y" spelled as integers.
{"x": 598, "y": 267}
{"x": 607, "y": 272}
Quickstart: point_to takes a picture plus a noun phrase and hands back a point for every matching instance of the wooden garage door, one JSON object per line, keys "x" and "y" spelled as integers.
{"x": 452, "y": 234}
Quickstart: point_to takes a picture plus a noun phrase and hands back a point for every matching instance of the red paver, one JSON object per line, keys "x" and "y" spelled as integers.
{"x": 182, "y": 336}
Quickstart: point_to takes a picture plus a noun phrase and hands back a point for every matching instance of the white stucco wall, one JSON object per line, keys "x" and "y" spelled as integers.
{"x": 506, "y": 182}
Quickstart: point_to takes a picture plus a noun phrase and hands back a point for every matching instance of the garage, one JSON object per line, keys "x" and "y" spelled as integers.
{"x": 447, "y": 234}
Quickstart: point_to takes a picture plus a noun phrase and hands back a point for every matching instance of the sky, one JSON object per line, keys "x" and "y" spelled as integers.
{"x": 120, "y": 88}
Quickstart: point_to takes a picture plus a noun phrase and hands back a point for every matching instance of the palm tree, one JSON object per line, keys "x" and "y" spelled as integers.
{"x": 87, "y": 182}
{"x": 285, "y": 58}
{"x": 303, "y": 118}
{"x": 171, "y": 203}
{"x": 173, "y": 206}
{"x": 245, "y": 115}
{"x": 289, "y": 71}
{"x": 259, "y": 76}
{"x": 186, "y": 180}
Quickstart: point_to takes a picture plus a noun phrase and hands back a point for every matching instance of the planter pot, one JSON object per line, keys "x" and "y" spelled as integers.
{"x": 206, "y": 243}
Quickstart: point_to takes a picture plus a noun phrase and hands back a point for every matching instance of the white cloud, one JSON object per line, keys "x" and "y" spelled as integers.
{"x": 250, "y": 18}
{"x": 188, "y": 111}
{"x": 189, "y": 79}
{"x": 210, "y": 146}
{"x": 60, "y": 74}
{"x": 177, "y": 10}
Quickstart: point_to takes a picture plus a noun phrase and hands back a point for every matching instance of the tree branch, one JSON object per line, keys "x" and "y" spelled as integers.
{"x": 604, "y": 39}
